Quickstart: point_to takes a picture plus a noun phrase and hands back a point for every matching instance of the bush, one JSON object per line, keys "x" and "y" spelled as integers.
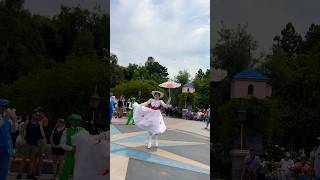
{"x": 64, "y": 89}
{"x": 131, "y": 89}
{"x": 193, "y": 98}
{"x": 260, "y": 122}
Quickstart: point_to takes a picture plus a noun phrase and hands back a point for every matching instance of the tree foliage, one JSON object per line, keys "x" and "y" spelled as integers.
{"x": 260, "y": 121}
{"x": 62, "y": 90}
{"x": 293, "y": 71}
{"x": 201, "y": 84}
{"x": 131, "y": 89}
{"x": 233, "y": 51}
{"x": 155, "y": 67}
{"x": 183, "y": 77}
{"x": 53, "y": 61}
{"x": 289, "y": 42}
{"x": 31, "y": 42}
{"x": 295, "y": 79}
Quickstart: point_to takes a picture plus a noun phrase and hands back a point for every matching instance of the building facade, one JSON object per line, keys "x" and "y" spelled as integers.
{"x": 188, "y": 88}
{"x": 250, "y": 83}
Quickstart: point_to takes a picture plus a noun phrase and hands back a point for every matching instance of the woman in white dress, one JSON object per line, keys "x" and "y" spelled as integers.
{"x": 148, "y": 117}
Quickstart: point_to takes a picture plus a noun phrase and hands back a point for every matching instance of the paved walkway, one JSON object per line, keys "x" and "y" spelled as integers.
{"x": 194, "y": 127}
{"x": 183, "y": 152}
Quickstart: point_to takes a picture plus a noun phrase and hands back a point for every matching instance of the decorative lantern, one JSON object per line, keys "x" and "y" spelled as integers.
{"x": 242, "y": 115}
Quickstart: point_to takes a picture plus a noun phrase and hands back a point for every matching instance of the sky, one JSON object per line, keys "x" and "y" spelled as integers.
{"x": 52, "y": 7}
{"x": 175, "y": 32}
{"x": 265, "y": 18}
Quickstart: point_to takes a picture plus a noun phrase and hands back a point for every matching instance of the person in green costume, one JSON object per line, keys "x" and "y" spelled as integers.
{"x": 66, "y": 144}
{"x": 132, "y": 105}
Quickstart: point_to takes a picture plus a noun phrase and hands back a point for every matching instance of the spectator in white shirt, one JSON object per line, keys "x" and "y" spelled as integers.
{"x": 286, "y": 164}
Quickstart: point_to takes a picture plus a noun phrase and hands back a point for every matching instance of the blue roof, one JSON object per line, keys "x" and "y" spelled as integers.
{"x": 250, "y": 74}
{"x": 188, "y": 85}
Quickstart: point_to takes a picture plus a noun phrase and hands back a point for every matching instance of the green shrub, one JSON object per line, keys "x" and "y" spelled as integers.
{"x": 260, "y": 122}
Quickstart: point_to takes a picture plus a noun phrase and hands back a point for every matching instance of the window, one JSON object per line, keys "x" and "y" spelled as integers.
{"x": 250, "y": 89}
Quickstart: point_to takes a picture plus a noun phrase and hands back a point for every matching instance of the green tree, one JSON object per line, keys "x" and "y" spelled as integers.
{"x": 155, "y": 67}
{"x": 183, "y": 77}
{"x": 131, "y": 89}
{"x": 113, "y": 59}
{"x": 156, "y": 78}
{"x": 184, "y": 98}
{"x": 83, "y": 46}
{"x": 62, "y": 90}
{"x": 203, "y": 91}
{"x": 312, "y": 40}
{"x": 260, "y": 121}
{"x": 295, "y": 83}
{"x": 21, "y": 47}
{"x": 144, "y": 73}
{"x": 131, "y": 70}
{"x": 233, "y": 51}
{"x": 136, "y": 75}
{"x": 295, "y": 80}
{"x": 199, "y": 75}
{"x": 14, "y": 5}
{"x": 289, "y": 42}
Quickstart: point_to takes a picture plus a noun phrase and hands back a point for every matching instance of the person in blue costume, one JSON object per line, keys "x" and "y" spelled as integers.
{"x": 7, "y": 126}
{"x": 111, "y": 107}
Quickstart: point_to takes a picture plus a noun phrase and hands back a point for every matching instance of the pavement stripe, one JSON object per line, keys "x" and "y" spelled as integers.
{"x": 120, "y": 172}
{"x": 161, "y": 157}
{"x": 142, "y": 137}
{"x": 126, "y": 135}
{"x": 176, "y": 157}
{"x": 114, "y": 130}
{"x": 162, "y": 143}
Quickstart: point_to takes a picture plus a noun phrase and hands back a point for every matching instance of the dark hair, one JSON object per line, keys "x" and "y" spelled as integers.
{"x": 24, "y": 116}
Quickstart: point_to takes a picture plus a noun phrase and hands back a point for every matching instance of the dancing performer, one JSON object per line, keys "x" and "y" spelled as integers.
{"x": 67, "y": 145}
{"x": 132, "y": 105}
{"x": 7, "y": 126}
{"x": 148, "y": 116}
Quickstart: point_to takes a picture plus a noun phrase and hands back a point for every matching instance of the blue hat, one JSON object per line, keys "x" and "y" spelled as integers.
{"x": 4, "y": 103}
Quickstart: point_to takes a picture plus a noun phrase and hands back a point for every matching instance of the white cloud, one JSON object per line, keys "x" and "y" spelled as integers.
{"x": 175, "y": 32}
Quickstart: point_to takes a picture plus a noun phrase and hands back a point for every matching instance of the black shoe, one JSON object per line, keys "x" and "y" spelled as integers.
{"x": 19, "y": 176}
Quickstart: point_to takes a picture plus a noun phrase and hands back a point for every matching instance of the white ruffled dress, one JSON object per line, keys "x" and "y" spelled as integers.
{"x": 148, "y": 116}
{"x": 91, "y": 157}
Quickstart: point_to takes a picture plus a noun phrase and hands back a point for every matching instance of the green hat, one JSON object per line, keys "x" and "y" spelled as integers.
{"x": 133, "y": 98}
{"x": 74, "y": 117}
